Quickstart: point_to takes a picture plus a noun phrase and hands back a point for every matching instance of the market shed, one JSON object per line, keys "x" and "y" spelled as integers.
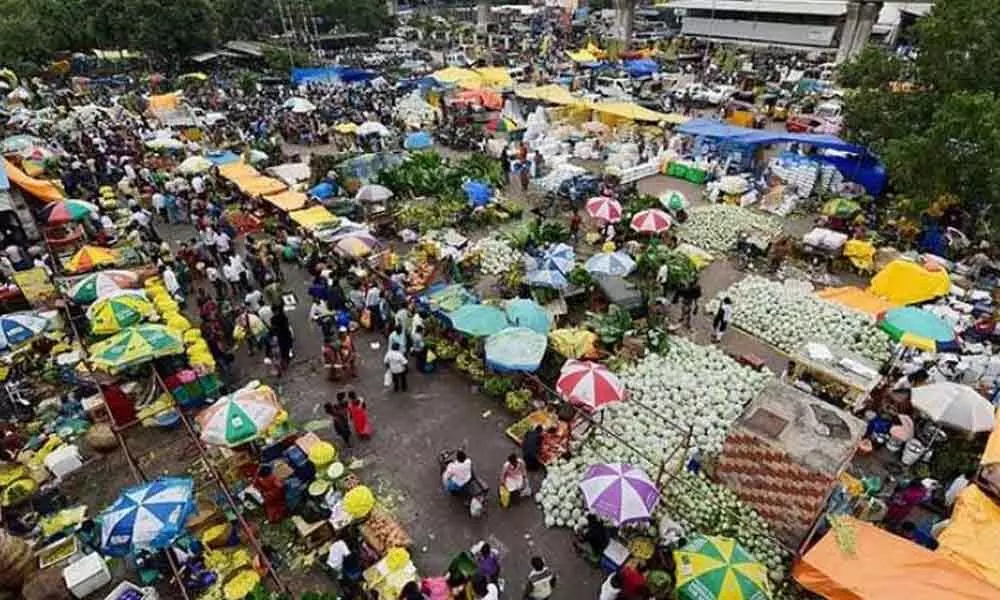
{"x": 784, "y": 455}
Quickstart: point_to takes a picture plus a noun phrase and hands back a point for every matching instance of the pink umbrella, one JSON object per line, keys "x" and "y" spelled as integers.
{"x": 605, "y": 209}
{"x": 652, "y": 220}
{"x": 589, "y": 385}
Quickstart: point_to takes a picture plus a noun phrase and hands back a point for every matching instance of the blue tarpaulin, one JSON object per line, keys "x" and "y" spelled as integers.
{"x": 479, "y": 193}
{"x": 303, "y": 75}
{"x": 225, "y": 157}
{"x": 323, "y": 190}
{"x": 641, "y": 67}
{"x": 418, "y": 140}
{"x": 744, "y": 135}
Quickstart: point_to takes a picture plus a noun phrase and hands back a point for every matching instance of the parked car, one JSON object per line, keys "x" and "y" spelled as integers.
{"x": 803, "y": 123}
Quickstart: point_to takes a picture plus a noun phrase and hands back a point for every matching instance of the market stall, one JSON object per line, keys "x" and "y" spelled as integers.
{"x": 836, "y": 375}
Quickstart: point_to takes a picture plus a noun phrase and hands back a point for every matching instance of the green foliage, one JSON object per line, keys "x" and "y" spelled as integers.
{"x": 354, "y": 16}
{"x": 518, "y": 402}
{"x": 580, "y": 277}
{"x": 611, "y": 327}
{"x": 498, "y": 386}
{"x": 681, "y": 270}
{"x": 284, "y": 59}
{"x": 935, "y": 122}
{"x": 549, "y": 232}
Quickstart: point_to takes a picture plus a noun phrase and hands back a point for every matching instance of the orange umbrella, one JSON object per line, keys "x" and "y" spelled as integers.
{"x": 485, "y": 98}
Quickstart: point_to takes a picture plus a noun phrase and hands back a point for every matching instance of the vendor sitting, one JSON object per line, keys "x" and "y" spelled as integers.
{"x": 593, "y": 539}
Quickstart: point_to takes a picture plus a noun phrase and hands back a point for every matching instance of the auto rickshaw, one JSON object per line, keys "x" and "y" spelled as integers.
{"x": 743, "y": 114}
{"x": 779, "y": 111}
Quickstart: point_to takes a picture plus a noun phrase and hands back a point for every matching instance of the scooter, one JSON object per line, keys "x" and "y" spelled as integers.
{"x": 474, "y": 493}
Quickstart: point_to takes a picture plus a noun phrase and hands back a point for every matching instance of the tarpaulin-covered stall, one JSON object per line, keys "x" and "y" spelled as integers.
{"x": 314, "y": 218}
{"x": 460, "y": 77}
{"x": 44, "y": 190}
{"x": 906, "y": 282}
{"x": 883, "y": 566}
{"x": 260, "y": 186}
{"x": 634, "y": 112}
{"x": 553, "y": 94}
{"x": 287, "y": 200}
{"x": 856, "y": 299}
{"x": 495, "y": 77}
{"x": 304, "y": 75}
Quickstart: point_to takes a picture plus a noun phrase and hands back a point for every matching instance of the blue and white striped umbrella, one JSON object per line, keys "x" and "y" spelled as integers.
{"x": 560, "y": 257}
{"x": 148, "y": 516}
{"x": 550, "y": 278}
{"x": 615, "y": 264}
{"x": 18, "y": 328}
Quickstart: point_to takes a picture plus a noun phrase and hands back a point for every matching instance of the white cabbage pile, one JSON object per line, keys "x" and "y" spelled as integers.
{"x": 413, "y": 109}
{"x": 787, "y": 315}
{"x": 555, "y": 177}
{"x": 496, "y": 256}
{"x": 715, "y": 227}
{"x": 701, "y": 506}
{"x": 691, "y": 386}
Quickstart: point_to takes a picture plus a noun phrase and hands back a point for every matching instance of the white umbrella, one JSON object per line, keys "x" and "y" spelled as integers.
{"x": 373, "y": 193}
{"x": 194, "y": 164}
{"x": 954, "y": 405}
{"x": 372, "y": 127}
{"x": 299, "y": 105}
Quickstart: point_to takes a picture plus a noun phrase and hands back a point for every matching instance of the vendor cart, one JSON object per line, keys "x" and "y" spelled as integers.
{"x": 619, "y": 291}
{"x": 752, "y": 246}
{"x": 821, "y": 247}
{"x": 833, "y": 374}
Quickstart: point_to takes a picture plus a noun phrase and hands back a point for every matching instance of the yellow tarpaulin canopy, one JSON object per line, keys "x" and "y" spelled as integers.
{"x": 346, "y": 128}
{"x": 495, "y": 77}
{"x": 288, "y": 200}
{"x": 906, "y": 282}
{"x": 884, "y": 566}
{"x": 237, "y": 171}
{"x": 582, "y": 56}
{"x": 634, "y": 112}
{"x": 594, "y": 50}
{"x": 313, "y": 218}
{"x": 857, "y": 299}
{"x": 164, "y": 102}
{"x": 462, "y": 77}
{"x": 972, "y": 538}
{"x": 991, "y": 454}
{"x": 43, "y": 189}
{"x": 553, "y": 94}
{"x": 260, "y": 186}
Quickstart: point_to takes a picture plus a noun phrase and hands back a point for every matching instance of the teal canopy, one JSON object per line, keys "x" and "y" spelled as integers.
{"x": 528, "y": 313}
{"x": 478, "y": 319}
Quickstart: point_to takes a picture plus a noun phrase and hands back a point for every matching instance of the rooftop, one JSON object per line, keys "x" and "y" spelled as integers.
{"x": 831, "y": 8}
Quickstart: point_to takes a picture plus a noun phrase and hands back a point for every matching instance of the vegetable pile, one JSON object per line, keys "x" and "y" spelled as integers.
{"x": 788, "y": 315}
{"x": 496, "y": 256}
{"x": 690, "y": 386}
{"x": 715, "y": 227}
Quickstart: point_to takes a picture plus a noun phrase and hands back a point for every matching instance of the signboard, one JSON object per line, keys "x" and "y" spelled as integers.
{"x": 36, "y": 286}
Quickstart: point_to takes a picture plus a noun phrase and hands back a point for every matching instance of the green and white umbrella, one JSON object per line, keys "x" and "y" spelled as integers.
{"x": 89, "y": 288}
{"x": 673, "y": 200}
{"x": 239, "y": 417}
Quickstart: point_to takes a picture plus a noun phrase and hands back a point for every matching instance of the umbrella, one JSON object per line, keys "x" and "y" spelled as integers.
{"x": 478, "y": 319}
{"x": 88, "y": 257}
{"x": 195, "y": 164}
{"x": 135, "y": 345}
{"x": 356, "y": 243}
{"x": 574, "y": 342}
{"x": 485, "y": 98}
{"x": 515, "y": 349}
{"x": 94, "y": 286}
{"x": 652, "y": 220}
{"x": 164, "y": 143}
{"x": 239, "y": 417}
{"x": 673, "y": 200}
{"x": 147, "y": 516}
{"x": 954, "y": 405}
{"x": 299, "y": 105}
{"x": 37, "y": 154}
{"x": 550, "y": 278}
{"x": 345, "y": 128}
{"x": 419, "y": 140}
{"x": 373, "y": 193}
{"x": 614, "y": 264}
{"x": 918, "y": 328}
{"x": 528, "y": 313}
{"x": 589, "y": 385}
{"x": 113, "y": 313}
{"x": 17, "y": 328}
{"x": 605, "y": 209}
{"x": 502, "y": 125}
{"x": 560, "y": 257}
{"x": 841, "y": 207}
{"x": 619, "y": 492}
{"x": 66, "y": 211}
{"x": 718, "y": 568}
{"x": 256, "y": 156}
{"x": 478, "y": 192}
{"x": 19, "y": 143}
{"x": 372, "y": 127}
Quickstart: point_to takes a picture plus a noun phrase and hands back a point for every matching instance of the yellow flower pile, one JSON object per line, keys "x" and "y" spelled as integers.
{"x": 199, "y": 356}
{"x": 359, "y": 501}
{"x": 397, "y": 558}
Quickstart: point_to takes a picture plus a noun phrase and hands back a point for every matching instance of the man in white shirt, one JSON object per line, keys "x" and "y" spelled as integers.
{"x": 541, "y": 580}
{"x": 222, "y": 242}
{"x": 198, "y": 184}
{"x": 170, "y": 281}
{"x": 15, "y": 254}
{"x": 458, "y": 473}
{"x": 397, "y": 364}
{"x": 109, "y": 227}
{"x": 611, "y": 589}
{"x": 253, "y": 300}
{"x": 215, "y": 278}
{"x": 232, "y": 275}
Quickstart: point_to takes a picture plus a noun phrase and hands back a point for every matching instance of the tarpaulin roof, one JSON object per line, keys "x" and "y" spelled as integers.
{"x": 885, "y": 567}
{"x": 641, "y": 67}
{"x": 857, "y": 299}
{"x": 287, "y": 201}
{"x": 164, "y": 102}
{"x": 906, "y": 282}
{"x": 553, "y": 94}
{"x": 744, "y": 135}
{"x": 582, "y": 56}
{"x": 457, "y": 76}
{"x": 991, "y": 454}
{"x": 301, "y": 75}
{"x": 972, "y": 537}
{"x": 260, "y": 186}
{"x": 635, "y": 112}
{"x": 313, "y": 218}
{"x": 43, "y": 189}
{"x": 239, "y": 170}
{"x": 223, "y": 158}
{"x": 497, "y": 77}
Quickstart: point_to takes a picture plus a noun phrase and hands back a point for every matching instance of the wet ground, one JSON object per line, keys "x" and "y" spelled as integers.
{"x": 439, "y": 411}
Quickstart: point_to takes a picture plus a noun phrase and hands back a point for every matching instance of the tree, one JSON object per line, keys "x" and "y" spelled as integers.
{"x": 935, "y": 120}
{"x": 353, "y": 16}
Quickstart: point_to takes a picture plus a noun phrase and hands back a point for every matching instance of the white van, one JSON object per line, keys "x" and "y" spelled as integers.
{"x": 389, "y": 44}
{"x": 619, "y": 88}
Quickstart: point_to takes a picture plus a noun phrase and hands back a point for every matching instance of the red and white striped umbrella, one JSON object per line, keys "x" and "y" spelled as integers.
{"x": 652, "y": 220}
{"x": 605, "y": 209}
{"x": 589, "y": 385}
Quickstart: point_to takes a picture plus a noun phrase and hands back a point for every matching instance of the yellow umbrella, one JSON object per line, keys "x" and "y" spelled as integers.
{"x": 347, "y": 128}
{"x": 712, "y": 567}
{"x": 113, "y": 313}
{"x": 134, "y": 346}
{"x": 88, "y": 257}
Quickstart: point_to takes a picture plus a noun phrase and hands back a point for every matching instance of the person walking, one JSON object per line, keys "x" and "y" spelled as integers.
{"x": 359, "y": 415}
{"x": 340, "y": 413}
{"x": 541, "y": 580}
{"x": 397, "y": 363}
{"x": 722, "y": 318}
{"x": 282, "y": 331}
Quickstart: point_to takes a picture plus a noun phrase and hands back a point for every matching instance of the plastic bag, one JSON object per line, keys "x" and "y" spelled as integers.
{"x": 504, "y": 497}
{"x": 476, "y": 507}
{"x": 387, "y": 378}
{"x": 366, "y": 319}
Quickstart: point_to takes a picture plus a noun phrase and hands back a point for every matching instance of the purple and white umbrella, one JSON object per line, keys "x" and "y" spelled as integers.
{"x": 619, "y": 492}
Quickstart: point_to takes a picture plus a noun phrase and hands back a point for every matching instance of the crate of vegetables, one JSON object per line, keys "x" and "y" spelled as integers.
{"x": 127, "y": 590}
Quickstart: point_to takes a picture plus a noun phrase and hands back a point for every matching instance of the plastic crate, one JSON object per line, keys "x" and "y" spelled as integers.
{"x": 146, "y": 593}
